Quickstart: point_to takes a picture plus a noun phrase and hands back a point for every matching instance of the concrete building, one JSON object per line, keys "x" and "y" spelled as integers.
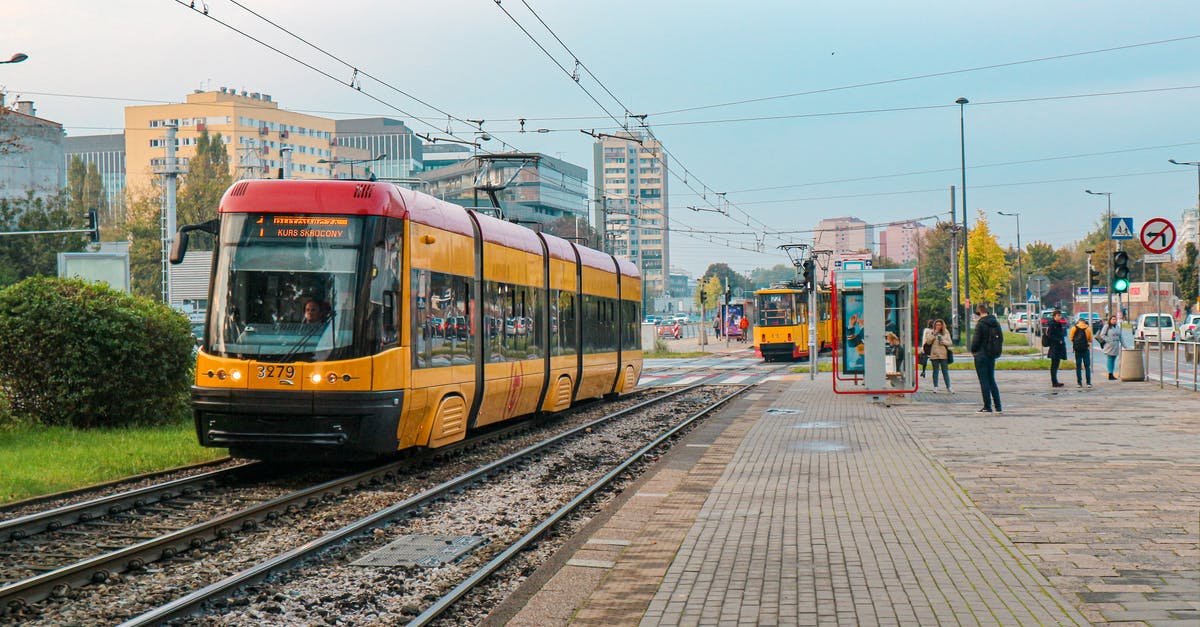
{"x": 382, "y": 136}
{"x": 530, "y": 186}
{"x": 31, "y": 152}
{"x": 1189, "y": 230}
{"x": 843, "y": 236}
{"x": 107, "y": 153}
{"x": 436, "y": 156}
{"x": 631, "y": 206}
{"x": 898, "y": 242}
{"x": 252, "y": 126}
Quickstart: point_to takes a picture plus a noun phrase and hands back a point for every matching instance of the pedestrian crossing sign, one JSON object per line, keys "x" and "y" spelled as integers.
{"x": 1121, "y": 228}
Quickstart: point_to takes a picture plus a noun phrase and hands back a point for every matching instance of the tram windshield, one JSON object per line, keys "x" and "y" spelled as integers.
{"x": 780, "y": 310}
{"x": 284, "y": 287}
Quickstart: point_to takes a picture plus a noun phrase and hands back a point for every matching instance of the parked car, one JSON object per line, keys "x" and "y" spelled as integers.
{"x": 1096, "y": 320}
{"x": 1153, "y": 327}
{"x": 682, "y": 319}
{"x": 652, "y": 320}
{"x": 1189, "y": 330}
{"x": 1019, "y": 322}
{"x": 457, "y": 327}
{"x": 1044, "y": 319}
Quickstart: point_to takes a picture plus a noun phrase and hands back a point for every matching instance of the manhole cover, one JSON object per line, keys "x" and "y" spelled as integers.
{"x": 422, "y": 550}
{"x": 781, "y": 411}
{"x": 818, "y": 425}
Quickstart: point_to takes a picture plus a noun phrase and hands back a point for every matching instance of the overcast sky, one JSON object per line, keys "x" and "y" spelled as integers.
{"x": 881, "y": 152}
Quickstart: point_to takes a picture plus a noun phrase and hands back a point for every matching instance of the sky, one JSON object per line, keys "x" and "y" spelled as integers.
{"x": 844, "y": 108}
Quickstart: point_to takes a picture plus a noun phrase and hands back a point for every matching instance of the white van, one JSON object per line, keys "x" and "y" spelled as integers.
{"x": 1153, "y": 327}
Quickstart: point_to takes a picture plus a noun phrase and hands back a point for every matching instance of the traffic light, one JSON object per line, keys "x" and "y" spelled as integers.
{"x": 1120, "y": 261}
{"x": 1093, "y": 278}
{"x": 703, "y": 297}
{"x": 728, "y": 295}
{"x": 94, "y": 225}
{"x": 810, "y": 273}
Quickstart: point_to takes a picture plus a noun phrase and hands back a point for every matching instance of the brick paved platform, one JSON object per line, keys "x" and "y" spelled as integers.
{"x": 797, "y": 506}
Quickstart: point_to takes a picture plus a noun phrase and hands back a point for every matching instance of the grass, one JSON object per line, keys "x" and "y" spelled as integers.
{"x": 1024, "y": 350}
{"x": 1015, "y": 339}
{"x": 822, "y": 366}
{"x": 43, "y": 460}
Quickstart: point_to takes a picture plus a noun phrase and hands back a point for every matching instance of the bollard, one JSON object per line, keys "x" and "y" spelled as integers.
{"x": 1132, "y": 368}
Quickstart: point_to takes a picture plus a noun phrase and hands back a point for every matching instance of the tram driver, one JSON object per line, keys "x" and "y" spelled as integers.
{"x": 316, "y": 311}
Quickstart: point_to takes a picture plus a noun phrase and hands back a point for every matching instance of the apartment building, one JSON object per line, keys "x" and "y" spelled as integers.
{"x": 31, "y": 156}
{"x": 898, "y": 242}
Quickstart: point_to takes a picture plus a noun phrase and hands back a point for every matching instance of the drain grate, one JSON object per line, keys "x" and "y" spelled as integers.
{"x": 422, "y": 550}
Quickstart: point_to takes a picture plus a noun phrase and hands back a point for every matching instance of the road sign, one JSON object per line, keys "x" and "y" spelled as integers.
{"x": 1157, "y": 258}
{"x": 1158, "y": 235}
{"x": 1121, "y": 228}
{"x": 1039, "y": 284}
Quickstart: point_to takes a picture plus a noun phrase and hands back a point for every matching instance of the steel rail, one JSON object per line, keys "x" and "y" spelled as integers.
{"x": 485, "y": 571}
{"x": 97, "y": 508}
{"x": 190, "y": 603}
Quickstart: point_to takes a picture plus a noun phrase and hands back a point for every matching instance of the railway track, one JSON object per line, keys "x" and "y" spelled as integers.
{"x": 62, "y": 581}
{"x": 414, "y": 509}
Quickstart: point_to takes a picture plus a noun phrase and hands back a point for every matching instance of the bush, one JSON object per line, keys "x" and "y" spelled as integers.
{"x": 83, "y": 355}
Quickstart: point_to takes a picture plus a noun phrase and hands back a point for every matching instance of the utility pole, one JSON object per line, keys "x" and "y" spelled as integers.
{"x": 170, "y": 174}
{"x": 953, "y": 267}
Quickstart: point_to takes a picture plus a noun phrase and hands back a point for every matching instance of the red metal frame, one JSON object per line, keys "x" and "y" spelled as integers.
{"x": 835, "y": 328}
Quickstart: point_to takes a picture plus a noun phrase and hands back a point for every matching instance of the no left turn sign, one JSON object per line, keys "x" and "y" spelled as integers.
{"x": 1158, "y": 235}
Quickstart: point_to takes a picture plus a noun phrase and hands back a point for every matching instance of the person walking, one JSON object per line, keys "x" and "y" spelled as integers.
{"x": 1056, "y": 336}
{"x": 1110, "y": 344}
{"x": 986, "y": 345}
{"x": 1081, "y": 343}
{"x": 939, "y": 344}
{"x": 927, "y": 342}
{"x": 744, "y": 327}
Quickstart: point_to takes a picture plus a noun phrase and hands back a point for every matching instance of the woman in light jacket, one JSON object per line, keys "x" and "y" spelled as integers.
{"x": 1110, "y": 338}
{"x": 939, "y": 342}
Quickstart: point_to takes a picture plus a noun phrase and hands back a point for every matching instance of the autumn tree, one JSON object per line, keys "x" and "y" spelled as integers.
{"x": 714, "y": 292}
{"x": 729, "y": 277}
{"x": 989, "y": 273}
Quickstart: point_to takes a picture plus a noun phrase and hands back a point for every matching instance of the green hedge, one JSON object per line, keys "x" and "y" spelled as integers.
{"x": 83, "y": 355}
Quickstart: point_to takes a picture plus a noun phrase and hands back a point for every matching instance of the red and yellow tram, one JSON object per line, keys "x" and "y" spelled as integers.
{"x": 353, "y": 319}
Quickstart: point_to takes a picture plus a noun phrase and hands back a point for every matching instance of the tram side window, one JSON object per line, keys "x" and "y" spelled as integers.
{"x": 631, "y": 336}
{"x": 441, "y": 323}
{"x": 384, "y": 307}
{"x": 599, "y": 324}
{"x": 562, "y": 325}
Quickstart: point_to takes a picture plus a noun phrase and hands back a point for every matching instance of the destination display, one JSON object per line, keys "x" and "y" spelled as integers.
{"x": 282, "y": 227}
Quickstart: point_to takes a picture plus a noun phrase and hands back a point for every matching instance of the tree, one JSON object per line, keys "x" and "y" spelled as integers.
{"x": 714, "y": 292}
{"x": 142, "y": 229}
{"x": 765, "y": 277}
{"x": 1040, "y": 256}
{"x": 728, "y": 276}
{"x": 206, "y": 181}
{"x": 85, "y": 188}
{"x": 989, "y": 273}
{"x": 24, "y": 256}
{"x": 934, "y": 266}
{"x": 571, "y": 227}
{"x": 1187, "y": 273}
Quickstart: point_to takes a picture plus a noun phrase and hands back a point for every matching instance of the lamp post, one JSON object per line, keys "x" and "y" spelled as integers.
{"x": 1197, "y": 164}
{"x": 351, "y": 162}
{"x": 1020, "y": 274}
{"x": 1107, "y": 290}
{"x": 962, "y": 151}
{"x": 16, "y": 58}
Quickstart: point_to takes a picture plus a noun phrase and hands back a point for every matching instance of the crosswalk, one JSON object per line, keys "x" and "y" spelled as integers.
{"x": 709, "y": 370}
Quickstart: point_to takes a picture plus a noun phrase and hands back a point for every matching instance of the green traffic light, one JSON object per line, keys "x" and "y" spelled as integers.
{"x": 1120, "y": 285}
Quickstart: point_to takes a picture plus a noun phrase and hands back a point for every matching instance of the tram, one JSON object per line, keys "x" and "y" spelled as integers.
{"x": 781, "y": 322}
{"x": 352, "y": 319}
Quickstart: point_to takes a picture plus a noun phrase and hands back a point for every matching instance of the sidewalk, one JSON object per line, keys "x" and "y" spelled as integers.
{"x": 797, "y": 506}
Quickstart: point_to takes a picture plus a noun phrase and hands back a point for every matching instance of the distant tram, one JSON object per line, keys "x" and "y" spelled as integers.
{"x": 351, "y": 319}
{"x": 781, "y": 325}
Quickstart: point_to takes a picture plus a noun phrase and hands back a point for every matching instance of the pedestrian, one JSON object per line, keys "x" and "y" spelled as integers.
{"x": 717, "y": 325}
{"x": 1110, "y": 344}
{"x": 1081, "y": 343}
{"x": 938, "y": 345}
{"x": 926, "y": 344}
{"x": 744, "y": 326}
{"x": 1056, "y": 336}
{"x": 987, "y": 345}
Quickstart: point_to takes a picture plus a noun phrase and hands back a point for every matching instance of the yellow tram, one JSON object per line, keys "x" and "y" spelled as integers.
{"x": 355, "y": 318}
{"x": 781, "y": 325}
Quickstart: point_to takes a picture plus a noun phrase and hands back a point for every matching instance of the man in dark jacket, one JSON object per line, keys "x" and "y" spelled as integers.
{"x": 986, "y": 346}
{"x": 1056, "y": 334}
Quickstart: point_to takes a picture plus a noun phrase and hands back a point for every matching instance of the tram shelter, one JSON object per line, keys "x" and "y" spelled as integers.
{"x": 874, "y": 330}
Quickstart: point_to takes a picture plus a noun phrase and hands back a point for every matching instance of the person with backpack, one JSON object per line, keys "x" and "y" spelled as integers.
{"x": 1110, "y": 344}
{"x": 1081, "y": 343}
{"x": 987, "y": 345}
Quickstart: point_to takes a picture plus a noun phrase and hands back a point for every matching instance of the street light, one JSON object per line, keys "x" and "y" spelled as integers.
{"x": 1197, "y": 164}
{"x": 351, "y": 162}
{"x": 962, "y": 151}
{"x": 1020, "y": 274}
{"x": 1108, "y": 290}
{"x": 16, "y": 58}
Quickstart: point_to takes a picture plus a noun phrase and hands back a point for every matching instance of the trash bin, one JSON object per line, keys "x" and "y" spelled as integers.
{"x": 1131, "y": 365}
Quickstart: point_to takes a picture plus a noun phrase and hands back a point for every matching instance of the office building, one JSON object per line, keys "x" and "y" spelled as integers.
{"x": 258, "y": 135}
{"x": 436, "y": 156}
{"x": 1189, "y": 231}
{"x": 631, "y": 206}
{"x": 107, "y": 153}
{"x": 31, "y": 152}
{"x": 531, "y": 187}
{"x": 391, "y": 139}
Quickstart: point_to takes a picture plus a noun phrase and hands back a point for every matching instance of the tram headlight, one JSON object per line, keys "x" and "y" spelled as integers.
{"x": 316, "y": 377}
{"x": 236, "y": 375}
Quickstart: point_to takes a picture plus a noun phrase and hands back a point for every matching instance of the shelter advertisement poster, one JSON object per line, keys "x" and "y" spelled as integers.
{"x": 733, "y": 315}
{"x": 851, "y": 308}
